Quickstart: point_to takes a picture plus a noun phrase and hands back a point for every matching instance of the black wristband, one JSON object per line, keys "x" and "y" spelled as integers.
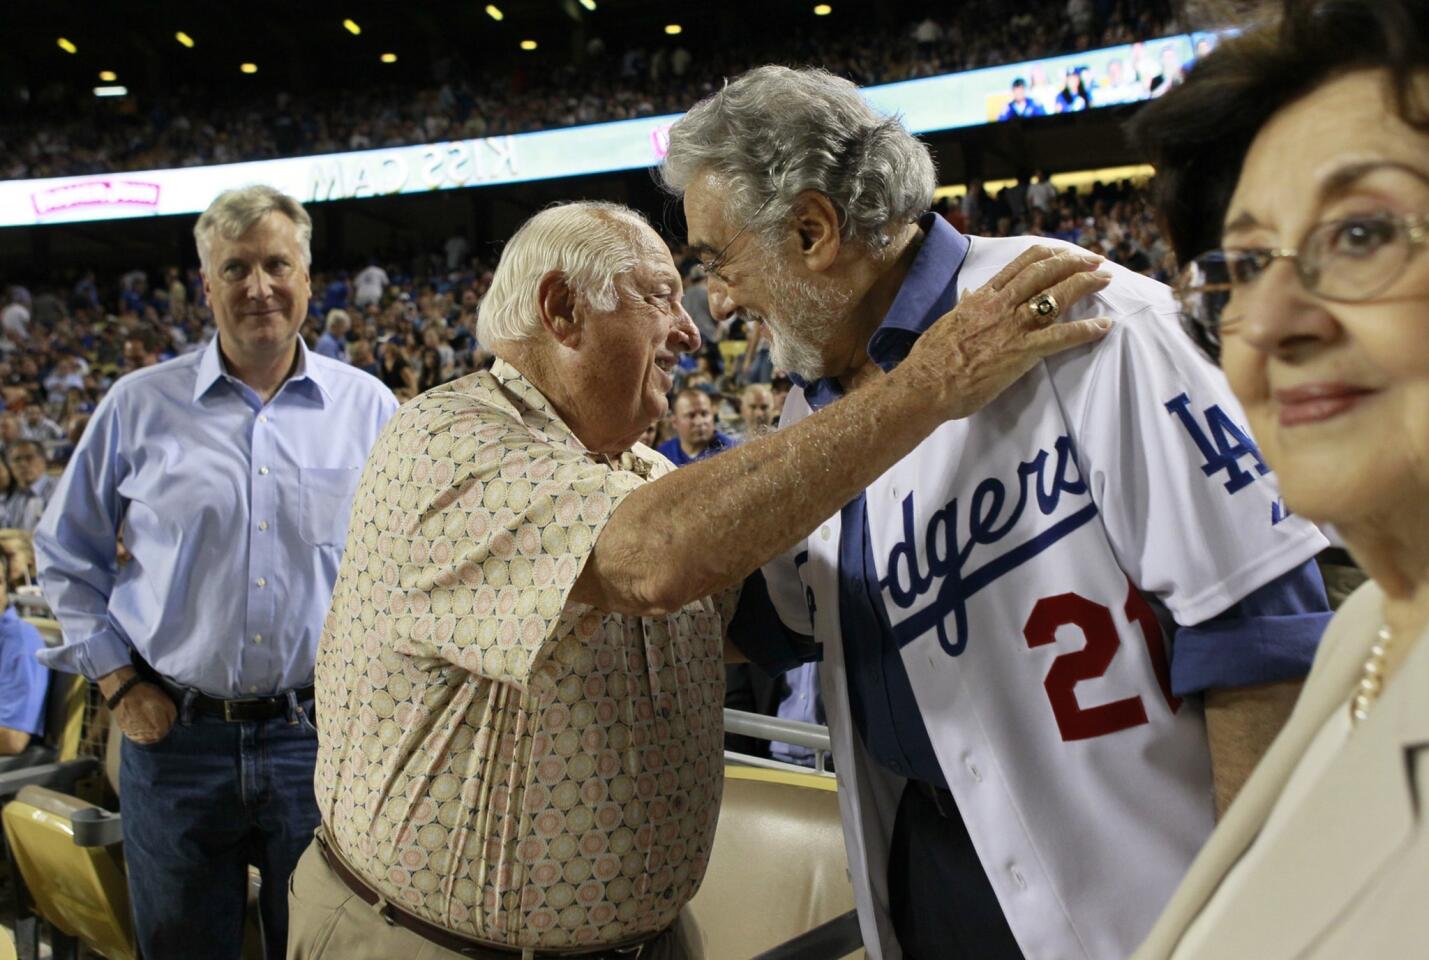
{"x": 124, "y": 689}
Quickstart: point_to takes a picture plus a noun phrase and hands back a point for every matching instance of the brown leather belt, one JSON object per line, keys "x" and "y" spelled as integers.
{"x": 455, "y": 942}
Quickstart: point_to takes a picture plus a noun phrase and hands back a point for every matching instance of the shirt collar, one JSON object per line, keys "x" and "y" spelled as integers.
{"x": 308, "y": 374}
{"x": 928, "y": 291}
{"x": 538, "y": 414}
{"x": 536, "y": 411}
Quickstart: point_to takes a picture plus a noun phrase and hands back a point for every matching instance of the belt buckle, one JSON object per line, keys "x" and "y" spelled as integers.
{"x": 230, "y": 705}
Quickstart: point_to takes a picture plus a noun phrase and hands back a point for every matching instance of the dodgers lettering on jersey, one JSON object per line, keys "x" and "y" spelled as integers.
{"x": 1030, "y": 559}
{"x": 947, "y": 551}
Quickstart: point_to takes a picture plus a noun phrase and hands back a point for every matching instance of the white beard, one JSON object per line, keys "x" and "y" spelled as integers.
{"x": 803, "y": 317}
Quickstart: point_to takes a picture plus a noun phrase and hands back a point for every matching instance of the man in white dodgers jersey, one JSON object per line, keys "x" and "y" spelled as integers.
{"x": 1018, "y": 620}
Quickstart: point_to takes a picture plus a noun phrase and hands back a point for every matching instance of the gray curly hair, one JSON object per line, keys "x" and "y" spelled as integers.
{"x": 775, "y": 132}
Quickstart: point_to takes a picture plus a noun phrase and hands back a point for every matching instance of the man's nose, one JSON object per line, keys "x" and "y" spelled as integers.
{"x": 684, "y": 335}
{"x": 721, "y": 306}
{"x": 260, "y": 285}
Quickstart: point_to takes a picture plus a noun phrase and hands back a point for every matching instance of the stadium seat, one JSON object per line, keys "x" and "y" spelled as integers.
{"x": 78, "y": 890}
{"x": 730, "y": 352}
{"x": 778, "y": 868}
{"x": 69, "y": 854}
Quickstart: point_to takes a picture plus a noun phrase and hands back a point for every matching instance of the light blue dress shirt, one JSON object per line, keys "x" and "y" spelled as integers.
{"x": 234, "y": 511}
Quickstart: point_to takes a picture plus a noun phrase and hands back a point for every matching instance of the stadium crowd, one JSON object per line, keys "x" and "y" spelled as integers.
{"x": 191, "y": 127}
{"x": 413, "y": 325}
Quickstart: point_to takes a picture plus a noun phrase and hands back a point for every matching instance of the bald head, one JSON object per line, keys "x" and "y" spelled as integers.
{"x": 756, "y": 407}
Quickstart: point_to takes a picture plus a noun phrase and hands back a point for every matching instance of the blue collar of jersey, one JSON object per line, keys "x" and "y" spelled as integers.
{"x": 929, "y": 291}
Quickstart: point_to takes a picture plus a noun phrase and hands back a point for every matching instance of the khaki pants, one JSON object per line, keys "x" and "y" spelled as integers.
{"x": 327, "y": 921}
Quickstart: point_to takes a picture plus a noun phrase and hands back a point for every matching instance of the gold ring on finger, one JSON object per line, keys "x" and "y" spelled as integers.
{"x": 1044, "y": 307}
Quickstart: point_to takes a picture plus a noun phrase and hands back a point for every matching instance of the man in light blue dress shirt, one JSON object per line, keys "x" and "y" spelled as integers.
{"x": 230, "y": 473}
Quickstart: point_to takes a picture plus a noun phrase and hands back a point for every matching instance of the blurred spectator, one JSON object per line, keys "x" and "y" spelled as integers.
{"x": 695, "y": 434}
{"x": 697, "y": 304}
{"x": 1074, "y": 96}
{"x": 457, "y": 250}
{"x": 395, "y": 371}
{"x": 23, "y": 680}
{"x": 1020, "y": 105}
{"x": 756, "y": 412}
{"x": 1171, "y": 73}
{"x": 142, "y": 348}
{"x": 12, "y": 430}
{"x": 800, "y": 701}
{"x": 1041, "y": 194}
{"x": 333, "y": 343}
{"x": 33, "y": 485}
{"x": 1081, "y": 15}
{"x": 359, "y": 354}
{"x": 38, "y": 427}
{"x": 65, "y": 376}
{"x": 1120, "y": 87}
{"x": 431, "y": 367}
{"x": 15, "y": 318}
{"x": 369, "y": 284}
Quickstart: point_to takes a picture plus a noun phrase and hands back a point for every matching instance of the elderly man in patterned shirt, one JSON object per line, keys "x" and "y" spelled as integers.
{"x": 520, "y": 681}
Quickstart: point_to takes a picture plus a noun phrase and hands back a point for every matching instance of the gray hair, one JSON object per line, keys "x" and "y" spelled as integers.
{"x": 336, "y": 316}
{"x": 234, "y": 212}
{"x": 775, "y": 132}
{"x": 591, "y": 242}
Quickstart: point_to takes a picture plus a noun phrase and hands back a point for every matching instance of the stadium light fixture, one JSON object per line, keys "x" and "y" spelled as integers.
{"x": 351, "y": 27}
{"x": 589, "y": 5}
{"x": 822, "y": 9}
{"x": 108, "y": 76}
{"x": 494, "y": 12}
{"x": 185, "y": 39}
{"x": 66, "y": 46}
{"x": 528, "y": 45}
{"x": 248, "y": 67}
{"x": 389, "y": 58}
{"x": 674, "y": 29}
{"x": 110, "y": 91}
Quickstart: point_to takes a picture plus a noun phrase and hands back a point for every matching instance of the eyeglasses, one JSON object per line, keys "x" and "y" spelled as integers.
{"x": 1344, "y": 261}
{"x": 713, "y": 266}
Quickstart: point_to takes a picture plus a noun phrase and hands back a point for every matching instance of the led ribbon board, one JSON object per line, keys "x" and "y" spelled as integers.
{"x": 1113, "y": 75}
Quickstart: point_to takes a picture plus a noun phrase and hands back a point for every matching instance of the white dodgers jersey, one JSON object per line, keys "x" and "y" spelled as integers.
{"x": 1025, "y": 557}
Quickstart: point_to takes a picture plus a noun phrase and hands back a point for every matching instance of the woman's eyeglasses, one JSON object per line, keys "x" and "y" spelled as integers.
{"x": 1347, "y": 261}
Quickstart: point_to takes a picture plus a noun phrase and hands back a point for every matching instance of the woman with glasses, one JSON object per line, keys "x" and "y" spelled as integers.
{"x": 1294, "y": 179}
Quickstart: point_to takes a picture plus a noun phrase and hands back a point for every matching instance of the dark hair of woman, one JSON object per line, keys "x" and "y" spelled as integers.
{"x": 1198, "y": 138}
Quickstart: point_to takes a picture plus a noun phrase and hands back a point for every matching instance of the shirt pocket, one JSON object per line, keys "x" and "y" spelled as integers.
{"x": 325, "y": 504}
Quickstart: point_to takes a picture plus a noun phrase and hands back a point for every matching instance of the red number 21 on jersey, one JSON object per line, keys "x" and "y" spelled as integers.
{"x": 1095, "y": 622}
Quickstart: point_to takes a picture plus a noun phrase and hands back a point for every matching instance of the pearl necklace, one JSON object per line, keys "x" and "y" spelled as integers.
{"x": 1371, "y": 676}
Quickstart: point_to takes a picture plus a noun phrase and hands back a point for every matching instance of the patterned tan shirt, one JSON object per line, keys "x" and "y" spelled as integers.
{"x": 496, "y": 758}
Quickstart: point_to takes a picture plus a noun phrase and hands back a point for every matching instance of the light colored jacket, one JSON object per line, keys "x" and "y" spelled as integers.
{"x": 1349, "y": 875}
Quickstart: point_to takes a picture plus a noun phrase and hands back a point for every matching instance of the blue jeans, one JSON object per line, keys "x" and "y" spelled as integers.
{"x": 199, "y": 806}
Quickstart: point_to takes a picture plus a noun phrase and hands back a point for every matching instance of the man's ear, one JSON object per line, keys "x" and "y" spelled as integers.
{"x": 816, "y": 222}
{"x": 557, "y": 304}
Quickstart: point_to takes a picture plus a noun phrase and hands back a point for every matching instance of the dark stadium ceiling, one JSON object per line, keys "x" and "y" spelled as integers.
{"x": 298, "y": 43}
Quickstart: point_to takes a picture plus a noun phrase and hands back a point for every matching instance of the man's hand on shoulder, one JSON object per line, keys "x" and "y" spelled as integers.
{"x": 146, "y": 713}
{"x": 992, "y": 337}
